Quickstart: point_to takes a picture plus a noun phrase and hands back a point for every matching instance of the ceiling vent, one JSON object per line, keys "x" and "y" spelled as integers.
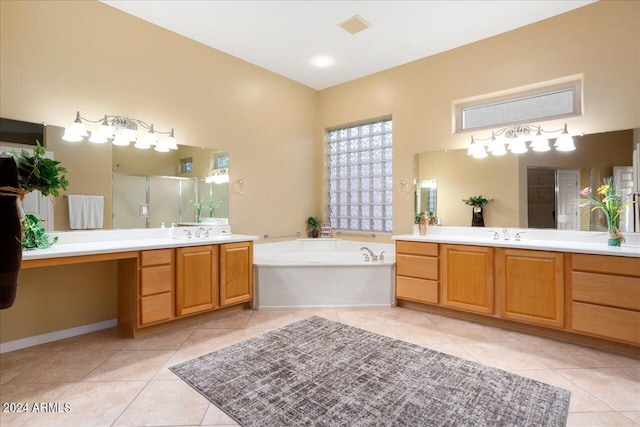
{"x": 355, "y": 24}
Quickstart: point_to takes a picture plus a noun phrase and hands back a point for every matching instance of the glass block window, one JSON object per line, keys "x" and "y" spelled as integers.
{"x": 523, "y": 107}
{"x": 360, "y": 177}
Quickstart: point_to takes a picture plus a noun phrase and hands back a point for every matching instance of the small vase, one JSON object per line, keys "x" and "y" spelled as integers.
{"x": 477, "y": 218}
{"x": 615, "y": 237}
{"x": 613, "y": 241}
{"x": 422, "y": 228}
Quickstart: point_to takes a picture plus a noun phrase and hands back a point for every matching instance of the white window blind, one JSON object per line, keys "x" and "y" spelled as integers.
{"x": 360, "y": 177}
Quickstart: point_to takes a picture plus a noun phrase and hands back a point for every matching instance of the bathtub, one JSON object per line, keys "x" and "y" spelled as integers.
{"x": 322, "y": 273}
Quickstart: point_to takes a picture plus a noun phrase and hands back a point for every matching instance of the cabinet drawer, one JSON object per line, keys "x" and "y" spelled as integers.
{"x": 606, "y": 289}
{"x": 622, "y": 266}
{"x": 155, "y": 257}
{"x": 156, "y": 308}
{"x": 607, "y": 322}
{"x": 417, "y": 266}
{"x": 156, "y": 279}
{"x": 419, "y": 290}
{"x": 417, "y": 248}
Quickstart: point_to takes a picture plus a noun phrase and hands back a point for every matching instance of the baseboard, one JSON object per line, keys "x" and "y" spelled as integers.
{"x": 55, "y": 336}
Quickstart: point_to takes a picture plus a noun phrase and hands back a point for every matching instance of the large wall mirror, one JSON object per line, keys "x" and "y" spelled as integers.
{"x": 531, "y": 190}
{"x": 141, "y": 188}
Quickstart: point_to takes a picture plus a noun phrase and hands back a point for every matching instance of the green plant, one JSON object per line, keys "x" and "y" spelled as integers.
{"x": 37, "y": 172}
{"x": 213, "y": 206}
{"x": 476, "y": 201}
{"x": 313, "y": 223}
{"x": 610, "y": 204}
{"x": 33, "y": 234}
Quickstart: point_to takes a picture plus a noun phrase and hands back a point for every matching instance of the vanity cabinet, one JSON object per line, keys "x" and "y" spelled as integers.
{"x": 417, "y": 271}
{"x": 467, "y": 278}
{"x": 605, "y": 297}
{"x": 530, "y": 286}
{"x": 197, "y": 279}
{"x": 236, "y": 273}
{"x": 156, "y": 290}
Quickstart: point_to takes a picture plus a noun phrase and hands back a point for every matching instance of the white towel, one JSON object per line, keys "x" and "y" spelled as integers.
{"x": 85, "y": 212}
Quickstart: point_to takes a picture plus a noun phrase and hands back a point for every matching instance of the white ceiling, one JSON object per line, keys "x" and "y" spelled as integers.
{"x": 283, "y": 36}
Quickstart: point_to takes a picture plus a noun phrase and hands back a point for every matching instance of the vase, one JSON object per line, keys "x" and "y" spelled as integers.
{"x": 10, "y": 233}
{"x": 422, "y": 227}
{"x": 477, "y": 218}
{"x": 615, "y": 236}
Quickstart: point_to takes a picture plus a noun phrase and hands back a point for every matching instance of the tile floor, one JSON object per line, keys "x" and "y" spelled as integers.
{"x": 108, "y": 380}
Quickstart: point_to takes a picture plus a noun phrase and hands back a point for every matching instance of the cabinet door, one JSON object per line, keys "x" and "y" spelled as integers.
{"x": 467, "y": 278}
{"x": 531, "y": 286}
{"x": 236, "y": 273}
{"x": 197, "y": 279}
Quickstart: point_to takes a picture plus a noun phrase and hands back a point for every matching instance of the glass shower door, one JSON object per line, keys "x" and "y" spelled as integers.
{"x": 129, "y": 193}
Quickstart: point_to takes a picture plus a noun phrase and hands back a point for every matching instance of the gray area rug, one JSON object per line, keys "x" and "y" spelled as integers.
{"x": 316, "y": 372}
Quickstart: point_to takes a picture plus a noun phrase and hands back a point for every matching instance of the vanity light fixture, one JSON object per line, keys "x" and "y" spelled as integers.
{"x": 514, "y": 139}
{"x": 217, "y": 176}
{"x": 122, "y": 131}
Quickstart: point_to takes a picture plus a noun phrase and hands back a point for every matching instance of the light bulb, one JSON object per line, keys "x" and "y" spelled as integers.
{"x": 142, "y": 144}
{"x": 121, "y": 140}
{"x": 540, "y": 143}
{"x": 97, "y": 137}
{"x": 162, "y": 146}
{"x": 565, "y": 141}
{"x": 71, "y": 136}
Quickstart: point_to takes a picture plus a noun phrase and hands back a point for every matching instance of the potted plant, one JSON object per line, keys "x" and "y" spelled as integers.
{"x": 478, "y": 203}
{"x": 314, "y": 224}
{"x": 20, "y": 175}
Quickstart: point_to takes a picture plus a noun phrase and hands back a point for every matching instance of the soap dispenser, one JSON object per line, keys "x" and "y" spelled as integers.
{"x": 173, "y": 231}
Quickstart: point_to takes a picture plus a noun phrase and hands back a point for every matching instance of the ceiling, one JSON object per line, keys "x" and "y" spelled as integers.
{"x": 284, "y": 36}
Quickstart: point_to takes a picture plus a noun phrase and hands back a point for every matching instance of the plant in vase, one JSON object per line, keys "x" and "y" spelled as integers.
{"x": 478, "y": 203}
{"x": 38, "y": 173}
{"x": 610, "y": 203}
{"x": 314, "y": 224}
{"x": 197, "y": 207}
{"x": 213, "y": 206}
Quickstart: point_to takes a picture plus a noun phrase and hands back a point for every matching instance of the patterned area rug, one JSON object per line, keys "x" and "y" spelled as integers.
{"x": 316, "y": 372}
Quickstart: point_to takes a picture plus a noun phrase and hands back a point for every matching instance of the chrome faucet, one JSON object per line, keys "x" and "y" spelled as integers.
{"x": 370, "y": 255}
{"x": 199, "y": 232}
{"x": 505, "y": 234}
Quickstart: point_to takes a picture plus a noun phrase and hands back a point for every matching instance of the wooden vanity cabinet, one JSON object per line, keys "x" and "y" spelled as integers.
{"x": 417, "y": 271}
{"x": 467, "y": 278}
{"x": 605, "y": 297}
{"x": 156, "y": 290}
{"x": 197, "y": 279}
{"x": 236, "y": 273}
{"x": 530, "y": 286}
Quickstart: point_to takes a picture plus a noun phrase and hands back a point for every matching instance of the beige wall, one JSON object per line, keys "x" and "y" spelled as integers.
{"x": 601, "y": 42}
{"x": 57, "y": 57}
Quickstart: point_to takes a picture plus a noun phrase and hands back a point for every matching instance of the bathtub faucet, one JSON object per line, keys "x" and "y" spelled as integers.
{"x": 371, "y": 255}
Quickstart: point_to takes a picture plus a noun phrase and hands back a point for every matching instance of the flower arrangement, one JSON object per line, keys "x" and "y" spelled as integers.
{"x": 197, "y": 206}
{"x": 213, "y": 206}
{"x": 476, "y": 201}
{"x": 610, "y": 203}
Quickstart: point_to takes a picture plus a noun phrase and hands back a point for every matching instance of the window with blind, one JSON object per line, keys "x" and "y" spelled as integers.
{"x": 360, "y": 177}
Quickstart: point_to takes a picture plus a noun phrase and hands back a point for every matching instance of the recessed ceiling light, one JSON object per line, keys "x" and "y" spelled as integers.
{"x": 322, "y": 61}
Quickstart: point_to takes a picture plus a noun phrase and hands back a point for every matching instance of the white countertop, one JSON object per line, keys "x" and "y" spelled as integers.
{"x": 111, "y": 241}
{"x": 551, "y": 240}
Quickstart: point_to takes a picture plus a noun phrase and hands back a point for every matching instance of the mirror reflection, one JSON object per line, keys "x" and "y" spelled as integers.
{"x": 530, "y": 190}
{"x": 140, "y": 188}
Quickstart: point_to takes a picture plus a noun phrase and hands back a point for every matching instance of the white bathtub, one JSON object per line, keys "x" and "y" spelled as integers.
{"x": 322, "y": 273}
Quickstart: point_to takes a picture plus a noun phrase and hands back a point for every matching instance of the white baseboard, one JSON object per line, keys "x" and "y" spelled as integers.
{"x": 55, "y": 336}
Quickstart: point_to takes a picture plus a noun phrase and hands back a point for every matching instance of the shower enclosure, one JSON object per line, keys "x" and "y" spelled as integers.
{"x": 141, "y": 201}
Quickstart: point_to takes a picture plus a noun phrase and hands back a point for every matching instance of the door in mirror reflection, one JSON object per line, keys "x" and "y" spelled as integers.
{"x": 427, "y": 196}
{"x": 553, "y": 198}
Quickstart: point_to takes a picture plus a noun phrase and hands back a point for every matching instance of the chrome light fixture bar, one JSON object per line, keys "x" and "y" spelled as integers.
{"x": 515, "y": 140}
{"x": 122, "y": 130}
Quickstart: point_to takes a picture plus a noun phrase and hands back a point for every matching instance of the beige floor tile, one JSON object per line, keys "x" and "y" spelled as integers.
{"x": 270, "y": 319}
{"x": 361, "y": 317}
{"x": 617, "y": 387}
{"x": 507, "y": 356}
{"x": 177, "y": 357}
{"x": 421, "y": 334}
{"x": 604, "y": 359}
{"x": 233, "y": 320}
{"x": 467, "y": 332}
{"x": 453, "y": 350}
{"x": 15, "y": 362}
{"x": 215, "y": 417}
{"x": 379, "y": 329}
{"x": 167, "y": 340}
{"x": 633, "y": 416}
{"x": 208, "y": 340}
{"x": 165, "y": 403}
{"x": 130, "y": 365}
{"x": 63, "y": 366}
{"x": 90, "y": 404}
{"x": 305, "y": 314}
{"x": 106, "y": 339}
{"x": 404, "y": 316}
{"x": 598, "y": 419}
{"x": 581, "y": 401}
